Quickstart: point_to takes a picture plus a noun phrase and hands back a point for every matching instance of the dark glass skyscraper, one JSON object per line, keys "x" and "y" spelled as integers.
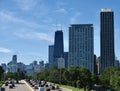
{"x": 58, "y": 46}
{"x": 107, "y": 38}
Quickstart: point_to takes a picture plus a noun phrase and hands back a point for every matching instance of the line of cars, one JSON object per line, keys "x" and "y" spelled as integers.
{"x": 11, "y": 83}
{"x": 42, "y": 85}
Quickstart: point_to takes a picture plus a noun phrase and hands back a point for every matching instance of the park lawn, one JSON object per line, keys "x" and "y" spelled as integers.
{"x": 70, "y": 87}
{"x": 1, "y": 83}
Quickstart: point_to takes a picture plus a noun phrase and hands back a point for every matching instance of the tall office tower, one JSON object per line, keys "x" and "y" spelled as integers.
{"x": 58, "y": 46}
{"x": 51, "y": 55}
{"x": 107, "y": 38}
{"x": 81, "y": 47}
{"x": 14, "y": 59}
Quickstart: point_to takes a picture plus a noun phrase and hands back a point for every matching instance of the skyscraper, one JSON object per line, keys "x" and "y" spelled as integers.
{"x": 12, "y": 65}
{"x": 58, "y": 46}
{"x": 51, "y": 55}
{"x": 14, "y": 59}
{"x": 107, "y": 38}
{"x": 81, "y": 52}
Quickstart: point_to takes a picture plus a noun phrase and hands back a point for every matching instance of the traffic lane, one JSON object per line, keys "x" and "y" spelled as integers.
{"x": 18, "y": 87}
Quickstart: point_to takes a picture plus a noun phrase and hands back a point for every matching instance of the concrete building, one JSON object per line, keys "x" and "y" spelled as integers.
{"x": 117, "y": 63}
{"x": 81, "y": 46}
{"x": 12, "y": 65}
{"x": 29, "y": 70}
{"x": 66, "y": 59}
{"x": 107, "y": 53}
{"x": 20, "y": 67}
{"x": 41, "y": 63}
{"x": 51, "y": 55}
{"x": 61, "y": 63}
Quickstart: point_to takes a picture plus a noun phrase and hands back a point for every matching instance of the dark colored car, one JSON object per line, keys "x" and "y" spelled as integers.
{"x": 10, "y": 86}
{"x": 2, "y": 89}
{"x": 17, "y": 81}
{"x": 6, "y": 83}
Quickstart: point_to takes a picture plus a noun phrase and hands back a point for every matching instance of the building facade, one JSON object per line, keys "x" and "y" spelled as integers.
{"x": 12, "y": 65}
{"x": 66, "y": 59}
{"x": 117, "y": 63}
{"x": 81, "y": 46}
{"x": 51, "y": 55}
{"x": 61, "y": 63}
{"x": 107, "y": 38}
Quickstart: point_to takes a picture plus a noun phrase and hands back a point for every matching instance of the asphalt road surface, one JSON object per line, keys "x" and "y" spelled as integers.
{"x": 18, "y": 87}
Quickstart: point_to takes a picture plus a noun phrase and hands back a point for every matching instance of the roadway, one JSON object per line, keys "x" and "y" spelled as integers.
{"x": 18, "y": 87}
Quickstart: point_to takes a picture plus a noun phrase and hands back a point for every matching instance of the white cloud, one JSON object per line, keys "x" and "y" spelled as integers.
{"x": 62, "y": 10}
{"x": 34, "y": 35}
{"x": 5, "y": 50}
{"x": 10, "y": 17}
{"x": 26, "y": 4}
{"x": 74, "y": 19}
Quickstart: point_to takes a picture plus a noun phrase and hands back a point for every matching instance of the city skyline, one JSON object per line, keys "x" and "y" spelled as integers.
{"x": 27, "y": 27}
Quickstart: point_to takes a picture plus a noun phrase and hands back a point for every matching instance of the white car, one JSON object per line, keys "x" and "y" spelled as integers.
{"x": 41, "y": 89}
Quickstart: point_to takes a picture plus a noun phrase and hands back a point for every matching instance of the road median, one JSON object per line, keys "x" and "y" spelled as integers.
{"x": 28, "y": 85}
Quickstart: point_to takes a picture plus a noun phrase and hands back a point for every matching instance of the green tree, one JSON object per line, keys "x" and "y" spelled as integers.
{"x": 1, "y": 72}
{"x": 111, "y": 78}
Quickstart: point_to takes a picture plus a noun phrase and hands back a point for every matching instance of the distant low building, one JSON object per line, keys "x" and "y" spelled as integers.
{"x": 117, "y": 63}
{"x": 29, "y": 70}
{"x": 95, "y": 65}
{"x": 20, "y": 67}
{"x": 11, "y": 67}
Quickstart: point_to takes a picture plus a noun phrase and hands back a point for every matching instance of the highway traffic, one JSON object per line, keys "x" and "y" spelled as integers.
{"x": 30, "y": 85}
{"x": 18, "y": 87}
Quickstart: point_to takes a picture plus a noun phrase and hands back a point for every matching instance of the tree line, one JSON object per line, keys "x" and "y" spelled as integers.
{"x": 82, "y": 78}
{"x": 74, "y": 76}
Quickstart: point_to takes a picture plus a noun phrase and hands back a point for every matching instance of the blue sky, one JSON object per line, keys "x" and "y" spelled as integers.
{"x": 27, "y": 26}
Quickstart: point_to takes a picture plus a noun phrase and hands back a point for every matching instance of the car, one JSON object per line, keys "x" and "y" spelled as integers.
{"x": 10, "y": 86}
{"x": 2, "y": 89}
{"x": 6, "y": 83}
{"x": 47, "y": 89}
{"x": 41, "y": 88}
{"x": 35, "y": 87}
{"x": 17, "y": 81}
{"x": 13, "y": 85}
{"x": 57, "y": 87}
{"x": 52, "y": 87}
